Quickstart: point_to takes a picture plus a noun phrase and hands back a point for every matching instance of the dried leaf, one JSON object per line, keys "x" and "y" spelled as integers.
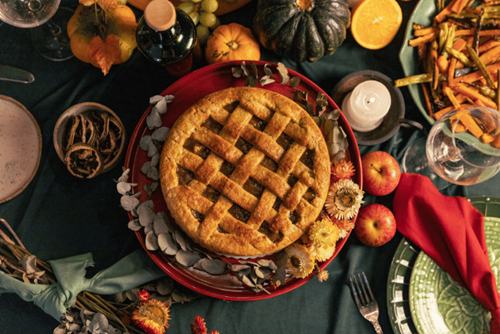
{"x": 167, "y": 244}
{"x": 213, "y": 266}
{"x": 160, "y": 134}
{"x": 129, "y": 203}
{"x": 105, "y": 53}
{"x": 294, "y": 82}
{"x": 144, "y": 142}
{"x": 134, "y": 225}
{"x": 187, "y": 258}
{"x": 283, "y": 71}
{"x": 165, "y": 286}
{"x": 146, "y": 214}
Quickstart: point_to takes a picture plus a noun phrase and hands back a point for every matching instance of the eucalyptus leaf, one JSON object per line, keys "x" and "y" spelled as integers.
{"x": 265, "y": 80}
{"x": 148, "y": 229}
{"x": 152, "y": 149}
{"x": 129, "y": 203}
{"x": 145, "y": 167}
{"x": 154, "y": 185}
{"x": 146, "y": 215}
{"x": 155, "y": 160}
{"x": 161, "y": 134}
{"x": 144, "y": 142}
{"x": 213, "y": 266}
{"x": 153, "y": 120}
{"x": 237, "y": 72}
{"x": 167, "y": 244}
{"x": 178, "y": 296}
{"x": 160, "y": 107}
{"x": 124, "y": 176}
{"x": 159, "y": 224}
{"x": 124, "y": 188}
{"x": 134, "y": 225}
{"x": 165, "y": 286}
{"x": 153, "y": 173}
{"x": 179, "y": 237}
{"x": 239, "y": 267}
{"x": 155, "y": 99}
{"x": 152, "y": 241}
{"x": 187, "y": 258}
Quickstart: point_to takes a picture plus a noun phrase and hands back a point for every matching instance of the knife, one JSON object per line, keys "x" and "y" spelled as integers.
{"x": 15, "y": 74}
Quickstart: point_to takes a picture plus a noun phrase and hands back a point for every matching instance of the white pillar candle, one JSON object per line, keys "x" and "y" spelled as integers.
{"x": 365, "y": 107}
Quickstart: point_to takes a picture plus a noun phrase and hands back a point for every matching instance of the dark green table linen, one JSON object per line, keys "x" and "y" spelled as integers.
{"x": 59, "y": 216}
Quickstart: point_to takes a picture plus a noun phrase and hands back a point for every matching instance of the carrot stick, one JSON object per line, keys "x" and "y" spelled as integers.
{"x": 474, "y": 76}
{"x": 442, "y": 63}
{"x": 490, "y": 56}
{"x": 468, "y": 32}
{"x": 470, "y": 124}
{"x": 443, "y": 14}
{"x": 424, "y": 31}
{"x": 443, "y": 111}
{"x": 451, "y": 72}
{"x": 451, "y": 96}
{"x": 423, "y": 39}
{"x": 474, "y": 94}
{"x": 459, "y": 6}
{"x": 488, "y": 45}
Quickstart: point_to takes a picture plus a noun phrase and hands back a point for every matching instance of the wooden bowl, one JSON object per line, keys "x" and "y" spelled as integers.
{"x": 60, "y": 131}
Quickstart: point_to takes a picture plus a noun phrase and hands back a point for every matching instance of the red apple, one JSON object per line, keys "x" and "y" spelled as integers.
{"x": 375, "y": 225}
{"x": 381, "y": 173}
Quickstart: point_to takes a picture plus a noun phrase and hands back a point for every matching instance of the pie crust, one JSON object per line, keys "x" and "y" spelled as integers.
{"x": 245, "y": 171}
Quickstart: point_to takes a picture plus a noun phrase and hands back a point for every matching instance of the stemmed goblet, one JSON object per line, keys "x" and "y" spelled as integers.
{"x": 48, "y": 23}
{"x": 463, "y": 147}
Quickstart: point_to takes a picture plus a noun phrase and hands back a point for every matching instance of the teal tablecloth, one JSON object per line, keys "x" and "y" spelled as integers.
{"x": 59, "y": 215}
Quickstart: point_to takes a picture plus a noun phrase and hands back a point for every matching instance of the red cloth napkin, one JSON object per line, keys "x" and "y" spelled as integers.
{"x": 451, "y": 232}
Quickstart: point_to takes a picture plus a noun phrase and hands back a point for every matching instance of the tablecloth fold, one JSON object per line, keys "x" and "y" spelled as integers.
{"x": 451, "y": 232}
{"x": 131, "y": 271}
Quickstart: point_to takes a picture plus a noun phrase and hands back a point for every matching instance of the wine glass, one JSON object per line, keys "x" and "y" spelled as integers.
{"x": 463, "y": 147}
{"x": 48, "y": 23}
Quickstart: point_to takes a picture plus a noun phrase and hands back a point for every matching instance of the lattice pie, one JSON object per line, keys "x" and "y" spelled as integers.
{"x": 245, "y": 171}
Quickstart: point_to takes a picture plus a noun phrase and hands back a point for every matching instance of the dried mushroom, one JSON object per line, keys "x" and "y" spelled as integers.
{"x": 93, "y": 138}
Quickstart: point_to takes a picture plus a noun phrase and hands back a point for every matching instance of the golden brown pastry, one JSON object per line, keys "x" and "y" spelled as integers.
{"x": 245, "y": 171}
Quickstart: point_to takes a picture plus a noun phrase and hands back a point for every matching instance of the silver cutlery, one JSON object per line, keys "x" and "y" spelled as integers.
{"x": 15, "y": 74}
{"x": 365, "y": 301}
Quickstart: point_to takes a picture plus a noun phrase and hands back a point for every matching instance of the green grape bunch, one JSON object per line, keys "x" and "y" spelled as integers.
{"x": 202, "y": 14}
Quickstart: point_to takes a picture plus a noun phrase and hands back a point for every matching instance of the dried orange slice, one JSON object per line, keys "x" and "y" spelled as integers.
{"x": 375, "y": 23}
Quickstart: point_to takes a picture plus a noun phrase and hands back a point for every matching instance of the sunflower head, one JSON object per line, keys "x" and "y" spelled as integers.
{"x": 300, "y": 260}
{"x": 344, "y": 199}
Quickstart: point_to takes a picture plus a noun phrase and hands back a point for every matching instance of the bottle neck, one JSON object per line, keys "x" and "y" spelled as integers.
{"x": 165, "y": 36}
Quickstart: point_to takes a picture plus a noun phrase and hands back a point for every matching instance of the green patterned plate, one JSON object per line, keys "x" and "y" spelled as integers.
{"x": 401, "y": 313}
{"x": 439, "y": 304}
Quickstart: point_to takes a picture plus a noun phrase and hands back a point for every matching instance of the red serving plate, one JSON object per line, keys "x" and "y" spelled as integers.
{"x": 186, "y": 91}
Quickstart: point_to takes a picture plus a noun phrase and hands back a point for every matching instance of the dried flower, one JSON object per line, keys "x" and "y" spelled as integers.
{"x": 322, "y": 275}
{"x": 344, "y": 225}
{"x": 300, "y": 261}
{"x": 344, "y": 199}
{"x": 322, "y": 253}
{"x": 152, "y": 316}
{"x": 323, "y": 233}
{"x": 342, "y": 170}
{"x": 198, "y": 326}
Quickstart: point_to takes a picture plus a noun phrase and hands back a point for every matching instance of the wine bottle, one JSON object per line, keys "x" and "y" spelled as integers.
{"x": 167, "y": 36}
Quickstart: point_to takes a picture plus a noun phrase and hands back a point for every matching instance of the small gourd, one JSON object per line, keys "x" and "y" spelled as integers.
{"x": 231, "y": 42}
{"x": 102, "y": 36}
{"x": 303, "y": 30}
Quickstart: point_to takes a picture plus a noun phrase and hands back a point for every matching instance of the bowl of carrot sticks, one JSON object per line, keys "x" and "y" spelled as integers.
{"x": 451, "y": 55}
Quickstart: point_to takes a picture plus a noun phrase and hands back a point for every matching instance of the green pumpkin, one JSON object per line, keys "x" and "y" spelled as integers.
{"x": 303, "y": 30}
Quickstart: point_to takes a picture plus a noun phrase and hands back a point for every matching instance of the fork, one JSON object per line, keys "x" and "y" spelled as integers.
{"x": 365, "y": 301}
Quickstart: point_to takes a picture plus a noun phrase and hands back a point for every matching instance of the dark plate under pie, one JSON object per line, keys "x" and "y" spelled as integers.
{"x": 186, "y": 92}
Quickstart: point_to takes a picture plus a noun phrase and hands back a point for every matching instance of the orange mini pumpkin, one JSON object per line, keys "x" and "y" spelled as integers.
{"x": 231, "y": 42}
{"x": 102, "y": 37}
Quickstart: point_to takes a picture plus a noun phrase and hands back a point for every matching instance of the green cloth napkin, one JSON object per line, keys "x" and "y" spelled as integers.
{"x": 133, "y": 270}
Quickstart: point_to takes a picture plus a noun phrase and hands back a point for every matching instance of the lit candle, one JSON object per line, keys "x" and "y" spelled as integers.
{"x": 365, "y": 107}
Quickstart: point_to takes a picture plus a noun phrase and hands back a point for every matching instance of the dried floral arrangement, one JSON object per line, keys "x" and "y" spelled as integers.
{"x": 93, "y": 313}
{"x": 299, "y": 260}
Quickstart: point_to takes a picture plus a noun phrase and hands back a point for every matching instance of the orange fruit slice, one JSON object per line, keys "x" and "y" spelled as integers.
{"x": 375, "y": 23}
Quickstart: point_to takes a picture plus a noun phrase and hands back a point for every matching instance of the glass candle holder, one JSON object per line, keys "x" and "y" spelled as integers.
{"x": 366, "y": 106}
